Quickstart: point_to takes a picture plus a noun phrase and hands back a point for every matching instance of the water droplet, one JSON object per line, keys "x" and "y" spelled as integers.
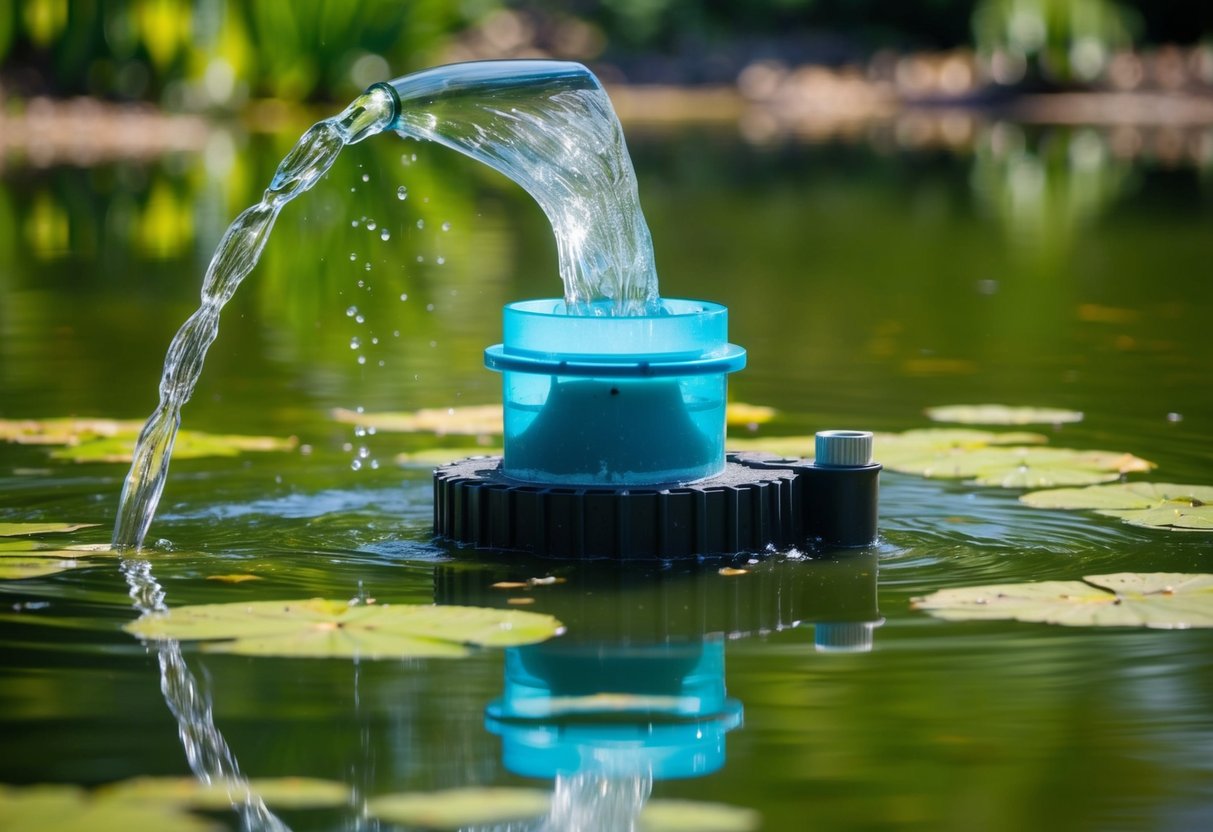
{"x": 361, "y": 284}
{"x": 362, "y": 359}
{"x": 353, "y": 256}
{"x": 1175, "y": 417}
{"x": 355, "y": 343}
{"x": 359, "y": 431}
{"x": 374, "y": 340}
{"x": 356, "y": 464}
{"x": 446, "y": 226}
{"x": 367, "y": 267}
{"x": 433, "y": 344}
{"x": 363, "y": 452}
{"x": 366, "y": 177}
{"x": 358, "y": 319}
{"x": 395, "y": 333}
{"x": 351, "y": 311}
{"x": 353, "y": 223}
{"x": 385, "y": 235}
{"x": 440, "y": 260}
{"x": 402, "y": 192}
{"x": 420, "y": 258}
{"x": 380, "y": 362}
{"x": 371, "y": 431}
{"x": 404, "y": 295}
{"x": 421, "y": 223}
{"x": 347, "y": 447}
{"x": 429, "y": 307}
{"x": 374, "y": 464}
{"x": 371, "y": 225}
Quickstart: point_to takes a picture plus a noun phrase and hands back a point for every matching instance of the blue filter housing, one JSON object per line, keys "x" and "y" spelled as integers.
{"x": 603, "y": 400}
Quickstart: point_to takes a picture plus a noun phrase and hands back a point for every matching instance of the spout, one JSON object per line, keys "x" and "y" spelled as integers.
{"x": 492, "y": 83}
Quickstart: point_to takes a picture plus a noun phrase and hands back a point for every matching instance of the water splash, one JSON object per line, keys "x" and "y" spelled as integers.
{"x": 237, "y": 254}
{"x": 550, "y": 127}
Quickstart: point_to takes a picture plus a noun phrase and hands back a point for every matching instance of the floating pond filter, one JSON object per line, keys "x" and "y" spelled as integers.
{"x": 615, "y": 448}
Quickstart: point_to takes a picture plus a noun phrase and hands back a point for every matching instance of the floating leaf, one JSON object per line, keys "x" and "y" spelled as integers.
{"x": 320, "y": 628}
{"x": 1163, "y": 600}
{"x": 17, "y": 568}
{"x": 456, "y": 808}
{"x": 430, "y": 457}
{"x": 188, "y": 792}
{"x": 65, "y": 431}
{"x": 188, "y": 445}
{"x": 70, "y": 809}
{"x": 1182, "y": 508}
{"x": 740, "y": 414}
{"x": 237, "y": 578}
{"x": 14, "y": 529}
{"x": 474, "y": 420}
{"x": 1001, "y": 414}
{"x": 693, "y": 816}
{"x": 730, "y": 572}
{"x": 1018, "y": 467}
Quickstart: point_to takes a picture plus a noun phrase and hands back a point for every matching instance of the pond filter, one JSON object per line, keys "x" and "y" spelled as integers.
{"x": 615, "y": 448}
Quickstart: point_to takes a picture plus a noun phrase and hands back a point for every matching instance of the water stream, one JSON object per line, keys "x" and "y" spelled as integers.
{"x": 547, "y": 125}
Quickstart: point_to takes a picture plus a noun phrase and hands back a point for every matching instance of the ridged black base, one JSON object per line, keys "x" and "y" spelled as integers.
{"x": 755, "y": 504}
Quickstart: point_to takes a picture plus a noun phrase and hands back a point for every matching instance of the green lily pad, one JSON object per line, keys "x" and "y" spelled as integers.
{"x": 320, "y": 628}
{"x": 70, "y": 809}
{"x": 1018, "y": 466}
{"x": 1001, "y": 414}
{"x": 1161, "y": 600}
{"x": 456, "y": 808}
{"x": 15, "y": 529}
{"x": 65, "y": 431}
{"x": 188, "y": 445}
{"x": 693, "y": 816}
{"x": 187, "y": 792}
{"x": 21, "y": 559}
{"x": 430, "y": 457}
{"x": 1181, "y": 508}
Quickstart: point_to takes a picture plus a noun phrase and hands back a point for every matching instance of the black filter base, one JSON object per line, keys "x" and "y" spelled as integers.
{"x": 758, "y": 502}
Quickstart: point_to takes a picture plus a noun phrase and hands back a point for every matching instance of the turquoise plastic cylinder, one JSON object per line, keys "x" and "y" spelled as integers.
{"x": 602, "y": 400}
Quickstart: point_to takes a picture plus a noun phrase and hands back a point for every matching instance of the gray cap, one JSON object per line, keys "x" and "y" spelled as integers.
{"x": 844, "y": 448}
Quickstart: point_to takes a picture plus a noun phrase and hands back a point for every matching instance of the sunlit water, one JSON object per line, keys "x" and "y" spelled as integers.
{"x": 944, "y": 725}
{"x": 548, "y": 126}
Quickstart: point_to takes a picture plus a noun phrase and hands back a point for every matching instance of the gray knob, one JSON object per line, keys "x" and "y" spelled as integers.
{"x": 844, "y": 448}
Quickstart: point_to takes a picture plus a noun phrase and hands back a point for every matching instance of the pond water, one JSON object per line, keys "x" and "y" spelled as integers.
{"x": 867, "y": 282}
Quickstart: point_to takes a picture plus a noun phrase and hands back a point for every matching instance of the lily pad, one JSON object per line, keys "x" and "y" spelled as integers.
{"x": 320, "y": 628}
{"x": 740, "y": 414}
{"x": 430, "y": 457}
{"x": 1001, "y": 414}
{"x": 487, "y": 420}
{"x": 188, "y": 792}
{"x": 70, "y": 809}
{"x": 1161, "y": 600}
{"x": 456, "y": 808}
{"x": 25, "y": 559}
{"x": 1181, "y": 508}
{"x": 693, "y": 816}
{"x": 188, "y": 445}
{"x": 15, "y": 529}
{"x": 474, "y": 420}
{"x": 1016, "y": 466}
{"x": 65, "y": 431}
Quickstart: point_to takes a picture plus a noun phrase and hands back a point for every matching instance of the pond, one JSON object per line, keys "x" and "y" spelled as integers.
{"x": 868, "y": 280}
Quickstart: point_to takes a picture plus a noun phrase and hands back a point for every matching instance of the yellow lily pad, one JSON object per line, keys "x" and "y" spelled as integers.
{"x": 65, "y": 431}
{"x": 1160, "y": 600}
{"x": 21, "y": 559}
{"x": 431, "y": 457}
{"x": 740, "y": 414}
{"x": 320, "y": 628}
{"x": 694, "y": 816}
{"x": 457, "y": 808}
{"x": 1181, "y": 508}
{"x": 15, "y": 529}
{"x": 235, "y": 578}
{"x": 71, "y": 809}
{"x": 1001, "y": 414}
{"x": 188, "y": 445}
{"x": 188, "y": 792}
{"x": 473, "y": 420}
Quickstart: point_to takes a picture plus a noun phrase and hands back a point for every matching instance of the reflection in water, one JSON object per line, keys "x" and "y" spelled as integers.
{"x": 634, "y": 692}
{"x": 206, "y": 750}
